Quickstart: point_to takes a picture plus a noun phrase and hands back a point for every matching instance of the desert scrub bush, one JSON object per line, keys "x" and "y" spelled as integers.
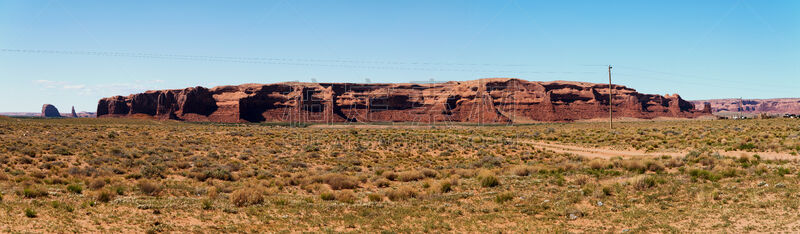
{"x": 30, "y": 213}
{"x": 581, "y": 179}
{"x": 597, "y": 164}
{"x": 488, "y": 161}
{"x": 634, "y": 166}
{"x": 654, "y": 166}
{"x": 674, "y": 162}
{"x": 382, "y": 183}
{"x": 75, "y": 188}
{"x": 429, "y": 173}
{"x": 374, "y": 197}
{"x": 152, "y": 171}
{"x": 746, "y": 146}
{"x": 703, "y": 174}
{"x": 247, "y": 196}
{"x": 327, "y": 196}
{"x": 390, "y": 175}
{"x": 643, "y": 182}
{"x": 34, "y": 192}
{"x": 781, "y": 171}
{"x": 97, "y": 184}
{"x": 504, "y": 197}
{"x": 488, "y": 179}
{"x": 521, "y": 170}
{"x": 346, "y": 196}
{"x": 407, "y": 176}
{"x": 401, "y": 193}
{"x": 207, "y": 204}
{"x": 149, "y": 187}
{"x": 337, "y": 181}
{"x": 216, "y": 173}
{"x": 105, "y": 196}
{"x": 444, "y": 187}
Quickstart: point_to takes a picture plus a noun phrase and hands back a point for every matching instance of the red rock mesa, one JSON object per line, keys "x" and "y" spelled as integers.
{"x": 495, "y": 100}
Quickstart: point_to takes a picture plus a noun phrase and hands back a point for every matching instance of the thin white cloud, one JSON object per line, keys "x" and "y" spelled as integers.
{"x": 99, "y": 89}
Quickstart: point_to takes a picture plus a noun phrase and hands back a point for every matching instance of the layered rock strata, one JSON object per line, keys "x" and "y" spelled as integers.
{"x": 495, "y": 100}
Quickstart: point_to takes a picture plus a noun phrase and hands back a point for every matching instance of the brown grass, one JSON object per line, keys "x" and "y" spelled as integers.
{"x": 247, "y": 196}
{"x": 338, "y": 181}
{"x": 401, "y": 193}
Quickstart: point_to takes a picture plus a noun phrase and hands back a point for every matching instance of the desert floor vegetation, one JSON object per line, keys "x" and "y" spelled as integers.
{"x": 123, "y": 175}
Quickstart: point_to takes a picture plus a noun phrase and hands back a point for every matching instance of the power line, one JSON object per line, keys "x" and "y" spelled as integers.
{"x": 290, "y": 61}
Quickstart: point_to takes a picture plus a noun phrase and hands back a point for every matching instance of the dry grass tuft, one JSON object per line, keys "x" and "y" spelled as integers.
{"x": 346, "y": 196}
{"x": 151, "y": 188}
{"x": 407, "y": 176}
{"x": 402, "y": 193}
{"x": 521, "y": 170}
{"x": 247, "y": 196}
{"x": 337, "y": 181}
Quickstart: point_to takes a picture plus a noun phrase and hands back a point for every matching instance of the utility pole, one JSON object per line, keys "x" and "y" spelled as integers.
{"x": 741, "y": 108}
{"x": 610, "y": 101}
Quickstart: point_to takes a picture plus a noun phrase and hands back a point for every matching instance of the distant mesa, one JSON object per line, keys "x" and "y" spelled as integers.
{"x": 494, "y": 100}
{"x": 50, "y": 111}
{"x": 755, "y": 106}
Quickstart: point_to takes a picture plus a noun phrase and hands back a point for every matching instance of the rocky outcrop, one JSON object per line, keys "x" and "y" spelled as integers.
{"x": 772, "y": 106}
{"x": 74, "y": 115}
{"x": 496, "y": 100}
{"x": 49, "y": 111}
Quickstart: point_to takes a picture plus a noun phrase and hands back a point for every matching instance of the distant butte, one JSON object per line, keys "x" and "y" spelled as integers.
{"x": 495, "y": 100}
{"x": 772, "y": 106}
{"x": 50, "y": 111}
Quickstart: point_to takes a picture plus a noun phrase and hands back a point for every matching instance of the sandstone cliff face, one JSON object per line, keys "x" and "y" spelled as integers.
{"x": 50, "y": 111}
{"x": 774, "y": 106}
{"x": 497, "y": 100}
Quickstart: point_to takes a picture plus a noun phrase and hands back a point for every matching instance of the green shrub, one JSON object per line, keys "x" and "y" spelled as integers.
{"x": 704, "y": 174}
{"x": 489, "y": 181}
{"x": 207, "y": 204}
{"x": 645, "y": 182}
{"x": 75, "y": 188}
{"x": 445, "y": 187}
{"x": 33, "y": 192}
{"x": 746, "y": 146}
{"x": 781, "y": 171}
{"x": 504, "y": 197}
{"x": 327, "y": 196}
{"x": 30, "y": 213}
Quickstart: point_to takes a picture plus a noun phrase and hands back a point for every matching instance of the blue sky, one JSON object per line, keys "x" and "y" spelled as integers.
{"x": 72, "y": 53}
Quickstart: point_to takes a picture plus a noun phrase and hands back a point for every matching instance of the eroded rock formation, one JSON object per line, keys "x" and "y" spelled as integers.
{"x": 773, "y": 106}
{"x": 496, "y": 100}
{"x": 50, "y": 111}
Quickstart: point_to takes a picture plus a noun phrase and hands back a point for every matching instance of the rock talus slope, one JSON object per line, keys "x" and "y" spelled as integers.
{"x": 495, "y": 100}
